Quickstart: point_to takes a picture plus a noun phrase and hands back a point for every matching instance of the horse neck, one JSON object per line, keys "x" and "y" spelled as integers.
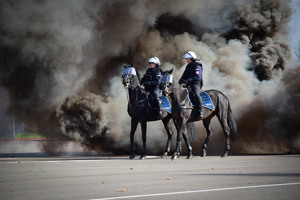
{"x": 135, "y": 91}
{"x": 178, "y": 95}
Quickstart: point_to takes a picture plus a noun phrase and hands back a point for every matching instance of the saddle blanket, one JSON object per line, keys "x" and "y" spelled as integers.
{"x": 165, "y": 104}
{"x": 206, "y": 100}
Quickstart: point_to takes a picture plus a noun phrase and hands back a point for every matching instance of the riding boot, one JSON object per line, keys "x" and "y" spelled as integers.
{"x": 200, "y": 113}
{"x": 200, "y": 108}
{"x": 159, "y": 113}
{"x": 197, "y": 112}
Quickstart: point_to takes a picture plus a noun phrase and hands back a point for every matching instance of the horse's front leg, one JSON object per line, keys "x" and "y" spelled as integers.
{"x": 134, "y": 124}
{"x": 189, "y": 147}
{"x": 144, "y": 138}
{"x": 166, "y": 122}
{"x": 181, "y": 128}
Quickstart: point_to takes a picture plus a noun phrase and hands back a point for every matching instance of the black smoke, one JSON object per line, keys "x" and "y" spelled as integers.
{"x": 61, "y": 67}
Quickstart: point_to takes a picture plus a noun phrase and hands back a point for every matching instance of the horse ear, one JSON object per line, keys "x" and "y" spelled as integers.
{"x": 126, "y": 65}
{"x": 161, "y": 71}
{"x": 171, "y": 71}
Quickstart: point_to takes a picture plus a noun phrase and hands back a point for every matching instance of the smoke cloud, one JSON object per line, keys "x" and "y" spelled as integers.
{"x": 61, "y": 67}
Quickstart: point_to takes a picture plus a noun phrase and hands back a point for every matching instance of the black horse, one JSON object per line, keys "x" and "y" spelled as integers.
{"x": 182, "y": 113}
{"x": 140, "y": 110}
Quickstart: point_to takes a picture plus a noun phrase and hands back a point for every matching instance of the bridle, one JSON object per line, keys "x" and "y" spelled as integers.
{"x": 127, "y": 80}
{"x": 167, "y": 87}
{"x": 127, "y": 76}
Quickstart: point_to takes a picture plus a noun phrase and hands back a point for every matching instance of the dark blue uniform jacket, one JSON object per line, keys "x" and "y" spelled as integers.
{"x": 151, "y": 79}
{"x": 192, "y": 74}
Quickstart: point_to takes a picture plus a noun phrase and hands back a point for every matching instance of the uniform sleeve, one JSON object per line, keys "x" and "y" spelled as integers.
{"x": 142, "y": 81}
{"x": 198, "y": 74}
{"x": 181, "y": 79}
{"x": 143, "y": 78}
{"x": 156, "y": 80}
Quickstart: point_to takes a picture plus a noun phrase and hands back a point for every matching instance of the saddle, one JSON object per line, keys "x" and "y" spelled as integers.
{"x": 206, "y": 100}
{"x": 163, "y": 101}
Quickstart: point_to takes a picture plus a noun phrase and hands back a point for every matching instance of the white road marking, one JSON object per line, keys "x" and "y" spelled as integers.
{"x": 199, "y": 191}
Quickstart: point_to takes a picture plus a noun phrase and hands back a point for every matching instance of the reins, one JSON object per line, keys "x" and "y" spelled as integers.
{"x": 175, "y": 88}
{"x": 182, "y": 104}
{"x": 136, "y": 100}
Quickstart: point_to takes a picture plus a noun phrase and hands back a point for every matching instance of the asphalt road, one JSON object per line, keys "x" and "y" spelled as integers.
{"x": 235, "y": 177}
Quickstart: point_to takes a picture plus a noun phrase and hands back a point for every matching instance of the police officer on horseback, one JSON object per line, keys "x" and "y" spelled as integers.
{"x": 151, "y": 81}
{"x": 192, "y": 76}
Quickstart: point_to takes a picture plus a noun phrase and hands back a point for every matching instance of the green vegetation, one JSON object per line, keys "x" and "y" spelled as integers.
{"x": 23, "y": 136}
{"x": 28, "y": 135}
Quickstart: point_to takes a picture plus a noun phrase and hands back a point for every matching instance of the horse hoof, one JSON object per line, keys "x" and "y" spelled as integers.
{"x": 143, "y": 157}
{"x": 225, "y": 154}
{"x": 175, "y": 156}
{"x": 132, "y": 156}
{"x": 164, "y": 155}
{"x": 189, "y": 156}
{"x": 203, "y": 153}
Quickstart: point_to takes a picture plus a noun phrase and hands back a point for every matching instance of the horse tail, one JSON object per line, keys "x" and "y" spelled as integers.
{"x": 192, "y": 131}
{"x": 231, "y": 123}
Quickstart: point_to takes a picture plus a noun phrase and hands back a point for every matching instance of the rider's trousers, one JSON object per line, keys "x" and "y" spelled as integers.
{"x": 196, "y": 89}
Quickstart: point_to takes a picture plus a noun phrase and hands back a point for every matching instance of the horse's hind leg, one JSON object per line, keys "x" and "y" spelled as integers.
{"x": 226, "y": 129}
{"x": 206, "y": 123}
{"x": 134, "y": 124}
{"x": 144, "y": 138}
{"x": 167, "y": 126}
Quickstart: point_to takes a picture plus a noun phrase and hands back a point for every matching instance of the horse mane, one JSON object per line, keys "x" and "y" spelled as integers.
{"x": 138, "y": 75}
{"x": 166, "y": 71}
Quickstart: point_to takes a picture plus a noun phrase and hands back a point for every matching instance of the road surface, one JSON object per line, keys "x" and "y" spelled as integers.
{"x": 235, "y": 177}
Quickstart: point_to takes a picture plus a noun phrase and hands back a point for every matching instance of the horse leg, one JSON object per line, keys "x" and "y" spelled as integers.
{"x": 134, "y": 124}
{"x": 189, "y": 147}
{"x": 226, "y": 129}
{"x": 206, "y": 123}
{"x": 144, "y": 134}
{"x": 178, "y": 148}
{"x": 166, "y": 122}
{"x": 181, "y": 127}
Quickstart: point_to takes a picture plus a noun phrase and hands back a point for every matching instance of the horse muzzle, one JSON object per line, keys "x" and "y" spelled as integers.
{"x": 166, "y": 92}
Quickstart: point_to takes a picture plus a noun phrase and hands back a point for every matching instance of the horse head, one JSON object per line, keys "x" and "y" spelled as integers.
{"x": 128, "y": 75}
{"x": 167, "y": 81}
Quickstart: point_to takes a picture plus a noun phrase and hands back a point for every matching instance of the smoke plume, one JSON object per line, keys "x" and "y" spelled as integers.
{"x": 61, "y": 67}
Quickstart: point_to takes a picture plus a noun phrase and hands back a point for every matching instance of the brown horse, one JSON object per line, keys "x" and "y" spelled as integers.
{"x": 182, "y": 112}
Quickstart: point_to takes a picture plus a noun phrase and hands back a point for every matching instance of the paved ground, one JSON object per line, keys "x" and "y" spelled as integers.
{"x": 35, "y": 147}
{"x": 236, "y": 177}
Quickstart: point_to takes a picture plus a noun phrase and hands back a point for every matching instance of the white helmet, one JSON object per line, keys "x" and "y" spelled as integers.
{"x": 154, "y": 60}
{"x": 190, "y": 55}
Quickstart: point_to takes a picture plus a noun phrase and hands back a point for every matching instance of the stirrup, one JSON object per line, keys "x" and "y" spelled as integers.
{"x": 160, "y": 115}
{"x": 196, "y": 113}
{"x": 201, "y": 115}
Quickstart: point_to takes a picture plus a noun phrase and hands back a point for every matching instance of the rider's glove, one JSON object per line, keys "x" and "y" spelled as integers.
{"x": 183, "y": 82}
{"x": 146, "y": 83}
